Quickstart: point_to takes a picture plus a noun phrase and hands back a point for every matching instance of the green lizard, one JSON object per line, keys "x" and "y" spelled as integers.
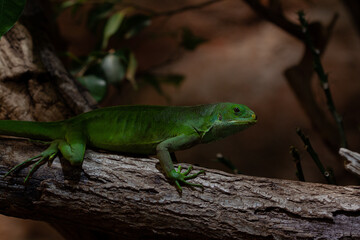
{"x": 136, "y": 129}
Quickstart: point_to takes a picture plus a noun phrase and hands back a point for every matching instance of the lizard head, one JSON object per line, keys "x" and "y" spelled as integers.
{"x": 228, "y": 119}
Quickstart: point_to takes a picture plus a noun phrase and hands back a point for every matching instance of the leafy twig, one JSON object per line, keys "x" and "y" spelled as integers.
{"x": 299, "y": 173}
{"x": 323, "y": 77}
{"x": 327, "y": 173}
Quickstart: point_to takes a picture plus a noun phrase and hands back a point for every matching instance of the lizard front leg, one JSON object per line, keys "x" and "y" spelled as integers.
{"x": 163, "y": 150}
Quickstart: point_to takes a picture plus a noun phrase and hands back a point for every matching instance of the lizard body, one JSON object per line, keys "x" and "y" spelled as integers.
{"x": 136, "y": 129}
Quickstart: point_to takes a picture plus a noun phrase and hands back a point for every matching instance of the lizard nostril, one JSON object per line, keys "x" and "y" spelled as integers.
{"x": 254, "y": 117}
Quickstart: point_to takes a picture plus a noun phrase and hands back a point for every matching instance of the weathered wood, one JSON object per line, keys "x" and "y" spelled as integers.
{"x": 129, "y": 196}
{"x": 353, "y": 160}
{"x": 33, "y": 83}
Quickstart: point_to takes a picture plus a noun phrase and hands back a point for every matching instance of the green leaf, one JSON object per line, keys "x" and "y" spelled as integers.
{"x": 131, "y": 70}
{"x": 71, "y": 56}
{"x": 98, "y": 13}
{"x": 136, "y": 24}
{"x": 156, "y": 80}
{"x": 67, "y": 4}
{"x": 10, "y": 11}
{"x": 173, "y": 79}
{"x": 113, "y": 68}
{"x": 95, "y": 84}
{"x": 190, "y": 41}
{"x": 112, "y": 26}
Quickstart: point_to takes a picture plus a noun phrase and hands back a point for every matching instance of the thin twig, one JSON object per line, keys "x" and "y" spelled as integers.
{"x": 323, "y": 77}
{"x": 327, "y": 173}
{"x": 299, "y": 172}
{"x": 229, "y": 164}
{"x": 299, "y": 76}
{"x": 276, "y": 16}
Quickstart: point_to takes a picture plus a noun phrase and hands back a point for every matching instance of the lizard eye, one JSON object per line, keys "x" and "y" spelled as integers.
{"x": 220, "y": 117}
{"x": 236, "y": 110}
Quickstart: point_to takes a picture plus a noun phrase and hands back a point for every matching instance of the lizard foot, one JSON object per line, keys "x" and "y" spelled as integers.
{"x": 180, "y": 177}
{"x": 47, "y": 155}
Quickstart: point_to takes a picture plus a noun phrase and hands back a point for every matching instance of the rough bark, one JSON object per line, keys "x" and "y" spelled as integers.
{"x": 129, "y": 196}
{"x": 33, "y": 82}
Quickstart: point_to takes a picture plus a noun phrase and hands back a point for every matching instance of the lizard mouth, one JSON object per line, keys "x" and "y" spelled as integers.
{"x": 243, "y": 121}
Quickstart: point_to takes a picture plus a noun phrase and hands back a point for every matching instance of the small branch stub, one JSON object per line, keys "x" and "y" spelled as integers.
{"x": 326, "y": 172}
{"x": 296, "y": 155}
{"x": 353, "y": 158}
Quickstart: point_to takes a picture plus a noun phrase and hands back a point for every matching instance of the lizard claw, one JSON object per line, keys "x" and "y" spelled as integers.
{"x": 180, "y": 177}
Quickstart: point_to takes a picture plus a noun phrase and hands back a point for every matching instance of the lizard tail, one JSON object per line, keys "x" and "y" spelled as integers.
{"x": 33, "y": 130}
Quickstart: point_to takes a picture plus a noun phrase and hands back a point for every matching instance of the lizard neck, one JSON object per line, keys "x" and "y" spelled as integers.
{"x": 216, "y": 127}
{"x": 204, "y": 122}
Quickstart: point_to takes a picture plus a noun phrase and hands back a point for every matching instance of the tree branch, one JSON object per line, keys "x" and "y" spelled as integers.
{"x": 131, "y": 197}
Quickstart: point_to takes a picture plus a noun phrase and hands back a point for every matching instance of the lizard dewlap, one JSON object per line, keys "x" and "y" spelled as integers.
{"x": 137, "y": 129}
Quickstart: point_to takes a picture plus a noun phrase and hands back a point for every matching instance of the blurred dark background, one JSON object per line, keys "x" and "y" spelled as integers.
{"x": 238, "y": 57}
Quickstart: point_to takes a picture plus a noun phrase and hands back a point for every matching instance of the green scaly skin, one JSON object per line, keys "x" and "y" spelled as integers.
{"x": 137, "y": 129}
